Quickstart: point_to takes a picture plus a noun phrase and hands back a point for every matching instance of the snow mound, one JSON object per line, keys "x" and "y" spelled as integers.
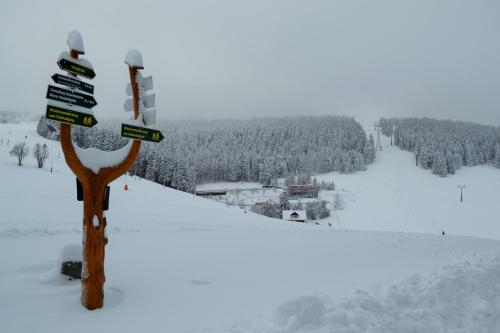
{"x": 463, "y": 297}
{"x": 304, "y": 311}
{"x": 71, "y": 252}
{"x": 134, "y": 58}
{"x": 75, "y": 41}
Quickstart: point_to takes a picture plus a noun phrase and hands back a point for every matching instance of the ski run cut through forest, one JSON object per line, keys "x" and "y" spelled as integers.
{"x": 176, "y": 262}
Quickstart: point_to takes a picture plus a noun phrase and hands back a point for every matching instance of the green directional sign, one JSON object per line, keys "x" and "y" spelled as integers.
{"x": 72, "y": 82}
{"x": 71, "y": 97}
{"x": 70, "y": 116}
{"x": 141, "y": 133}
{"x": 75, "y": 68}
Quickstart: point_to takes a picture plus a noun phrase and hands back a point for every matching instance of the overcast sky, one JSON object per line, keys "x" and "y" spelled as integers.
{"x": 228, "y": 58}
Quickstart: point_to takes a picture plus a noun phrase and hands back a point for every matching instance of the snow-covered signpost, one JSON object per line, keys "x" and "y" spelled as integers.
{"x": 141, "y": 103}
{"x": 95, "y": 169}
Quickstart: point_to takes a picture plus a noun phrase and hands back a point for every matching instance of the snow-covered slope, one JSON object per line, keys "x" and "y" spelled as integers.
{"x": 179, "y": 263}
{"x": 395, "y": 195}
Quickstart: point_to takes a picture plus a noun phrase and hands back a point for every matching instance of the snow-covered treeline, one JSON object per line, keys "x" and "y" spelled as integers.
{"x": 105, "y": 136}
{"x": 197, "y": 151}
{"x": 262, "y": 149}
{"x": 445, "y": 145}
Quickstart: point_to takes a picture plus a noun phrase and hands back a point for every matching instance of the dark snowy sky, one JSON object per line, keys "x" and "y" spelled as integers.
{"x": 228, "y": 58}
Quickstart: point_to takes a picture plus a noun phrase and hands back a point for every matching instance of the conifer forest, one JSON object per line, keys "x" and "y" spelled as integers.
{"x": 257, "y": 150}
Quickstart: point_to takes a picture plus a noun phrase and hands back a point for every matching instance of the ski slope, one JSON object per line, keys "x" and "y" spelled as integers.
{"x": 179, "y": 263}
{"x": 395, "y": 195}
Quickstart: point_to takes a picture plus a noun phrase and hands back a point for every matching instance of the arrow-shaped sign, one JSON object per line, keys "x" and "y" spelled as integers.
{"x": 70, "y": 116}
{"x": 141, "y": 133}
{"x": 145, "y": 84}
{"x": 72, "y": 82}
{"x": 75, "y": 68}
{"x": 149, "y": 117}
{"x": 71, "y": 97}
{"x": 147, "y": 100}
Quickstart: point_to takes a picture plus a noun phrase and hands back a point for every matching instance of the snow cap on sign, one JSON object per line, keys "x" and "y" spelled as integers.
{"x": 134, "y": 59}
{"x": 75, "y": 41}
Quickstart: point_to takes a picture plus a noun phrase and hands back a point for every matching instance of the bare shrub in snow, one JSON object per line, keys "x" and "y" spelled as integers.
{"x": 20, "y": 150}
{"x": 40, "y": 153}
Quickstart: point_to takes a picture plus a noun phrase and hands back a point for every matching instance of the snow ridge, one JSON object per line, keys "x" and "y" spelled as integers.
{"x": 463, "y": 297}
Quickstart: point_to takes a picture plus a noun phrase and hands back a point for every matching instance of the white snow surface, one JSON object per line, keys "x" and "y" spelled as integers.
{"x": 462, "y": 297}
{"x": 395, "y": 195}
{"x": 179, "y": 263}
{"x": 95, "y": 221}
{"x": 75, "y": 41}
{"x": 134, "y": 58}
{"x": 96, "y": 159}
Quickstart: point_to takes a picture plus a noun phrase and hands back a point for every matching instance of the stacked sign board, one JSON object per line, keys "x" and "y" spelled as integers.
{"x": 146, "y": 111}
{"x": 71, "y": 106}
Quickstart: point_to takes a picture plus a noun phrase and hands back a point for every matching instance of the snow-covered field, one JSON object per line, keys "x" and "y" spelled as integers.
{"x": 179, "y": 263}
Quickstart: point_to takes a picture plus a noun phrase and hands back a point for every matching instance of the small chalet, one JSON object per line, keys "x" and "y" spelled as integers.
{"x": 296, "y": 215}
{"x": 303, "y": 191}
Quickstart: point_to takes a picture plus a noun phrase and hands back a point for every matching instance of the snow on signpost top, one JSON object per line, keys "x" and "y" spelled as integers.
{"x": 134, "y": 59}
{"x": 75, "y": 41}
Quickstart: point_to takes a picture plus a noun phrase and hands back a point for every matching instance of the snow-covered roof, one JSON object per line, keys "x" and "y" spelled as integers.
{"x": 286, "y": 214}
{"x": 75, "y": 41}
{"x": 134, "y": 59}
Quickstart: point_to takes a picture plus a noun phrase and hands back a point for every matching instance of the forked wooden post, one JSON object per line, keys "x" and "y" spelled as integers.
{"x": 94, "y": 222}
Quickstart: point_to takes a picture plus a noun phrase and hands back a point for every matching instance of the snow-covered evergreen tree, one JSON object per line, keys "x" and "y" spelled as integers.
{"x": 369, "y": 151}
{"x": 497, "y": 155}
{"x": 152, "y": 167}
{"x": 285, "y": 200}
{"x": 439, "y": 166}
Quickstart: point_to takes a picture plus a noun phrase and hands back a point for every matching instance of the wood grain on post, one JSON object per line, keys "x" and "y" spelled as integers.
{"x": 94, "y": 186}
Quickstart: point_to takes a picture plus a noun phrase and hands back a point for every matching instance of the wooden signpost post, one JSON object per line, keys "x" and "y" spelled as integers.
{"x": 93, "y": 184}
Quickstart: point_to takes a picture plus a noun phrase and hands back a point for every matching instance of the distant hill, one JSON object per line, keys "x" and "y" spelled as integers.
{"x": 14, "y": 117}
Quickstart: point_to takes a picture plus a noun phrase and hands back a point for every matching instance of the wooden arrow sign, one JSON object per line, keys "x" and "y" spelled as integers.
{"x": 75, "y": 68}
{"x": 70, "y": 116}
{"x": 71, "y": 97}
{"x": 141, "y": 133}
{"x": 72, "y": 82}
